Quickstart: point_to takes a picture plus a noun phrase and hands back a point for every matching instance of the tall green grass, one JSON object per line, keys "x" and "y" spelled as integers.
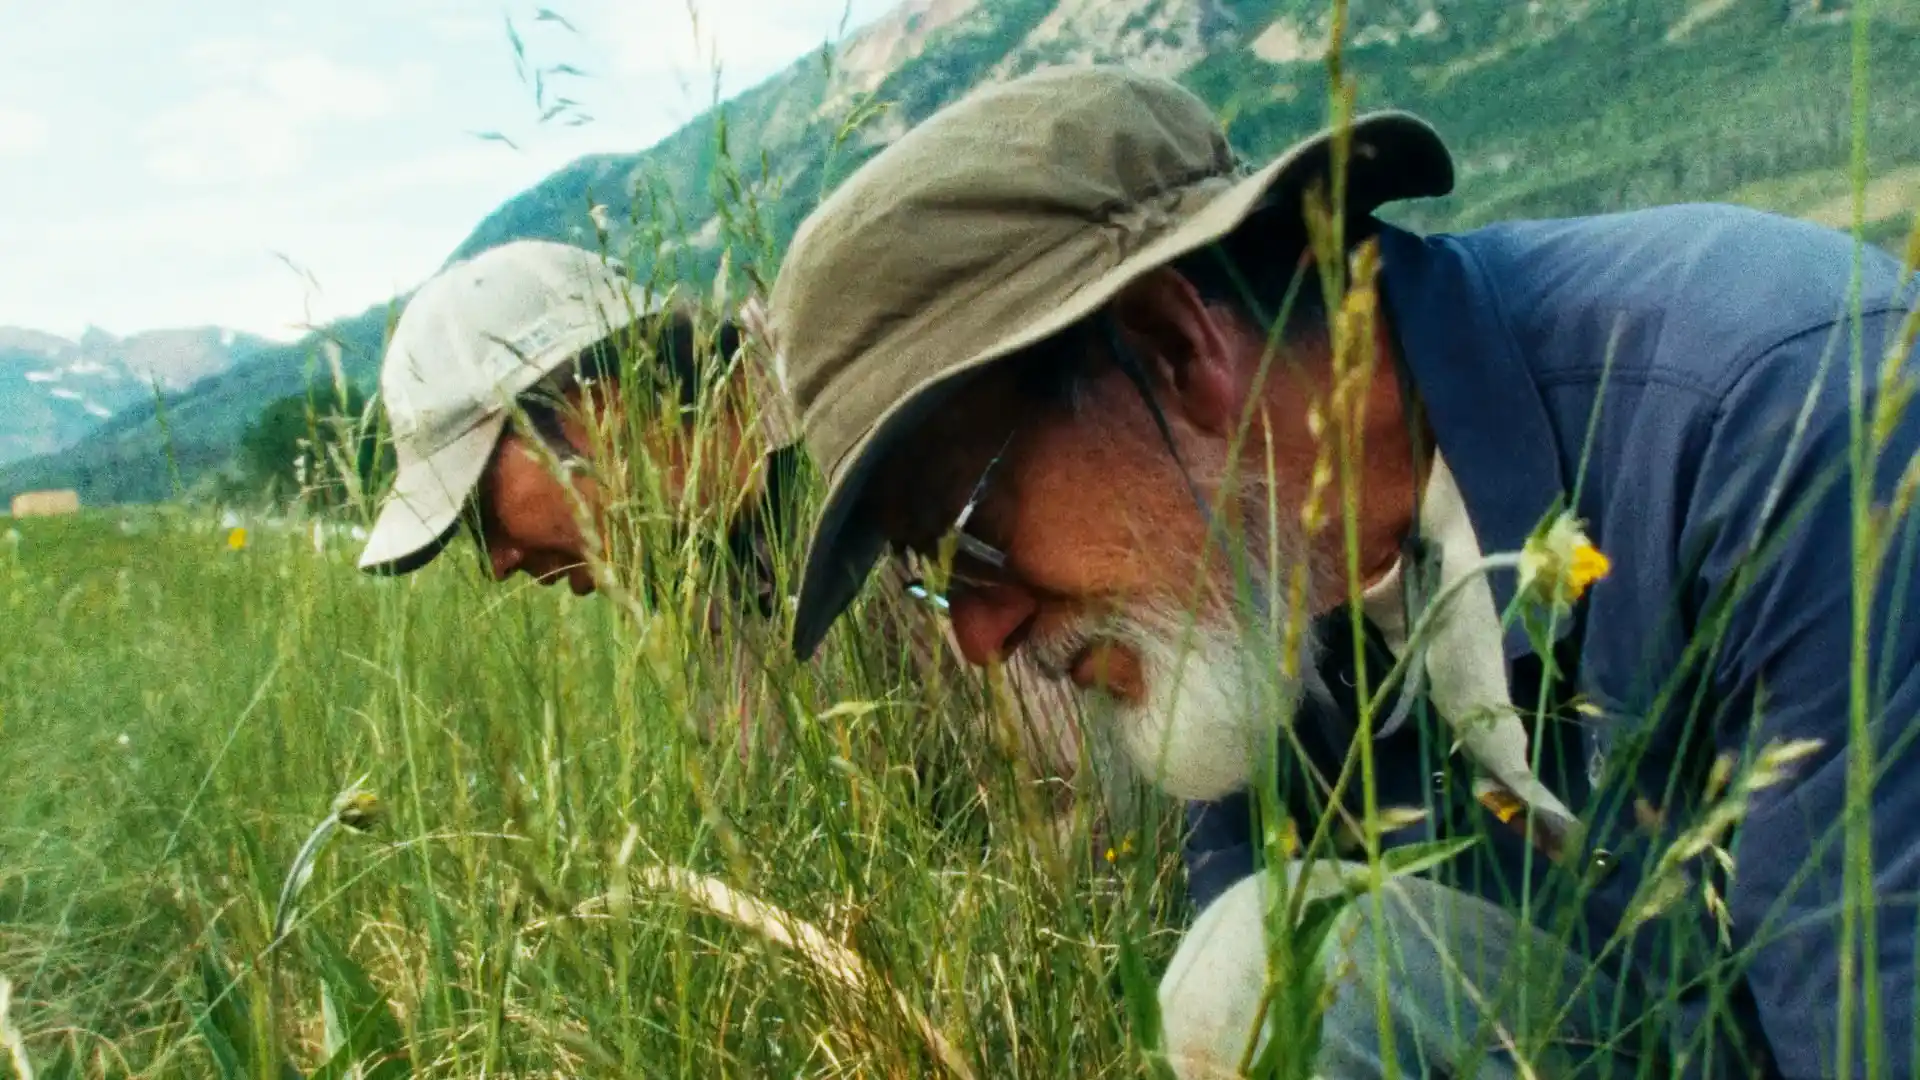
{"x": 510, "y": 790}
{"x": 180, "y": 715}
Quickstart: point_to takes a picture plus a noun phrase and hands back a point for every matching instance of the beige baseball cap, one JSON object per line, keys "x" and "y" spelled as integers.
{"x": 473, "y": 338}
{"x": 998, "y": 222}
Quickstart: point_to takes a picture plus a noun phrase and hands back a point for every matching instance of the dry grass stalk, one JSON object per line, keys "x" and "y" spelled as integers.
{"x": 10, "y": 1037}
{"x": 716, "y": 897}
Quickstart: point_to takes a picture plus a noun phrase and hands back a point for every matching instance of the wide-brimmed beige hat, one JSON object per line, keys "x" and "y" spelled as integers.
{"x": 995, "y": 224}
{"x": 472, "y": 339}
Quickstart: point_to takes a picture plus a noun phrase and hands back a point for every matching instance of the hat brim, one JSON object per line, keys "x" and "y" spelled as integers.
{"x": 428, "y": 496}
{"x": 1394, "y": 155}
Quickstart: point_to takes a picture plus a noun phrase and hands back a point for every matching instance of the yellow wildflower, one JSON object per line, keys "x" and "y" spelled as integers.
{"x": 1503, "y": 804}
{"x": 1559, "y": 564}
{"x": 237, "y": 539}
{"x": 359, "y": 810}
{"x": 1289, "y": 837}
{"x": 1588, "y": 565}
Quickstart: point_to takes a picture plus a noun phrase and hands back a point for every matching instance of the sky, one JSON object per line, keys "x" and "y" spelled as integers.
{"x": 270, "y": 166}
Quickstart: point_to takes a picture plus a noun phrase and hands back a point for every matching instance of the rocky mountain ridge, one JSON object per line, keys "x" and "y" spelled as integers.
{"x": 55, "y": 391}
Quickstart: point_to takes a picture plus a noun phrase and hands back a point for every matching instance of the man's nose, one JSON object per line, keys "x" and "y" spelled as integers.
{"x": 504, "y": 559}
{"x": 990, "y": 621}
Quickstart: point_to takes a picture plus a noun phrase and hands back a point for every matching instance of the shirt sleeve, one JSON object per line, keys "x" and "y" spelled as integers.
{"x": 1770, "y": 530}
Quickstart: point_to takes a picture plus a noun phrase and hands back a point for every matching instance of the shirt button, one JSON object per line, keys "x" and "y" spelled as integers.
{"x": 1601, "y": 865}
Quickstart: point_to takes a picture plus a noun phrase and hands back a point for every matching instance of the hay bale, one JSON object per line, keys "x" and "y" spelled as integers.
{"x": 46, "y": 503}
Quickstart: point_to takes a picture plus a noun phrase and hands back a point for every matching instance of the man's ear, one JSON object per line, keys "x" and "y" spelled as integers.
{"x": 1185, "y": 345}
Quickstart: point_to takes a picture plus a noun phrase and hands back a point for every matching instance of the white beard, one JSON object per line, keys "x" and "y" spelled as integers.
{"x": 1216, "y": 703}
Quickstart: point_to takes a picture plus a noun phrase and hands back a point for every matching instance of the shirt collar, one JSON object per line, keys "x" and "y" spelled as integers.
{"x": 1480, "y": 400}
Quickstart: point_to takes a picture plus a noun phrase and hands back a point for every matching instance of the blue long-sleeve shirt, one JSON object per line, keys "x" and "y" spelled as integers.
{"x": 1715, "y": 344}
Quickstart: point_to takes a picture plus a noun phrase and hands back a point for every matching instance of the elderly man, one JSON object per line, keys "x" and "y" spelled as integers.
{"x": 1036, "y": 333}
{"x": 508, "y": 364}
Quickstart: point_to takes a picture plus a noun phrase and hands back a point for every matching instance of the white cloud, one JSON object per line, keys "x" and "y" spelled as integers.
{"x": 742, "y": 36}
{"x": 464, "y": 28}
{"x": 223, "y": 135}
{"x": 315, "y": 86}
{"x": 365, "y": 236}
{"x": 337, "y": 133}
{"x": 21, "y": 132}
{"x": 227, "y": 270}
{"x": 257, "y": 121}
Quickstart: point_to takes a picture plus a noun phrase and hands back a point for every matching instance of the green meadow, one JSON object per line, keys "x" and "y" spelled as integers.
{"x": 180, "y": 714}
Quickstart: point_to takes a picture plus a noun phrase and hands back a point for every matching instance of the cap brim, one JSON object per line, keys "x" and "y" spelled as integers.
{"x": 1395, "y": 155}
{"x": 428, "y": 495}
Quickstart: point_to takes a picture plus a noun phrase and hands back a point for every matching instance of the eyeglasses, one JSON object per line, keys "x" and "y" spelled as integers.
{"x": 965, "y": 543}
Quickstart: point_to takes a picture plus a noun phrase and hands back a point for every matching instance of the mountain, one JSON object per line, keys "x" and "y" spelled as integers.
{"x": 55, "y": 392}
{"x": 1552, "y": 107}
{"x": 161, "y": 446}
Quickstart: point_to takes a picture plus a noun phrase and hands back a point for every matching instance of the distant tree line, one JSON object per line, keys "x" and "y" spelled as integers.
{"x": 318, "y": 450}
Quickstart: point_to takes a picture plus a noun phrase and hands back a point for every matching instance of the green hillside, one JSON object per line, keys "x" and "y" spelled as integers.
{"x": 153, "y": 450}
{"x": 55, "y": 392}
{"x": 1554, "y": 107}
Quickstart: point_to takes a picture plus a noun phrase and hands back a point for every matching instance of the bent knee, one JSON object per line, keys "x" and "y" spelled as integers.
{"x": 1211, "y": 995}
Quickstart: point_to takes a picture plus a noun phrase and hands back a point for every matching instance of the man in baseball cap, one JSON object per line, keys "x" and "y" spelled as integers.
{"x": 500, "y": 365}
{"x": 531, "y": 386}
{"x": 1060, "y": 336}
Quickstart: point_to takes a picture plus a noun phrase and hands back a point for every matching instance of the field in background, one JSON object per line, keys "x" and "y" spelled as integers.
{"x": 176, "y": 715}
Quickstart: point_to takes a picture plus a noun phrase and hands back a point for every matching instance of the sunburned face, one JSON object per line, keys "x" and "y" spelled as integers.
{"x": 528, "y": 521}
{"x": 1109, "y": 579}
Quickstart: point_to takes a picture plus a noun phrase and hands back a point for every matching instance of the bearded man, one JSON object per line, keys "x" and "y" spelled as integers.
{"x": 1037, "y": 336}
